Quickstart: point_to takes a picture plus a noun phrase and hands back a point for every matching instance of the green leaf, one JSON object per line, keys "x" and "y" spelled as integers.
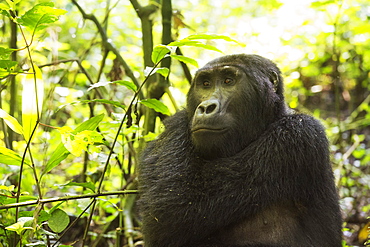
{"x": 22, "y": 198}
{"x": 130, "y": 85}
{"x": 159, "y": 52}
{"x": 61, "y": 152}
{"x": 19, "y": 226}
{"x": 12, "y": 3}
{"x": 103, "y": 101}
{"x": 90, "y": 124}
{"x": 156, "y": 105}
{"x": 185, "y": 60}
{"x": 208, "y": 47}
{"x": 43, "y": 216}
{"x": 11, "y": 122}
{"x": 192, "y": 40}
{"x": 87, "y": 185}
{"x": 7, "y": 67}
{"x": 3, "y": 6}
{"x": 184, "y": 42}
{"x": 5, "y": 53}
{"x": 162, "y": 71}
{"x": 211, "y": 37}
{"x": 7, "y": 188}
{"x": 194, "y": 43}
{"x": 79, "y": 142}
{"x": 40, "y": 16}
{"x": 9, "y": 157}
{"x": 58, "y": 220}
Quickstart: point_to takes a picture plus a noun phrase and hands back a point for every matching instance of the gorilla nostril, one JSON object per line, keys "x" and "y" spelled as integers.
{"x": 201, "y": 109}
{"x": 210, "y": 108}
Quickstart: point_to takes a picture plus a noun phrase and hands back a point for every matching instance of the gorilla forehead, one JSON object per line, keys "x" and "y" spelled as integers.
{"x": 251, "y": 65}
{"x": 241, "y": 60}
{"x": 220, "y": 69}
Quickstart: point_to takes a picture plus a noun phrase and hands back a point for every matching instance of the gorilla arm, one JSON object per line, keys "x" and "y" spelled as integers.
{"x": 185, "y": 198}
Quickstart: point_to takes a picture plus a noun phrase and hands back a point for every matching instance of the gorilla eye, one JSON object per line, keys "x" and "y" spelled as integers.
{"x": 228, "y": 81}
{"x": 206, "y": 83}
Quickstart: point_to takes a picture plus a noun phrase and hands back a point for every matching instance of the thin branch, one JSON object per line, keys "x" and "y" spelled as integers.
{"x": 67, "y": 198}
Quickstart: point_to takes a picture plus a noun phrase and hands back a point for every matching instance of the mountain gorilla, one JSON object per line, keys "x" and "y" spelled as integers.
{"x": 237, "y": 168}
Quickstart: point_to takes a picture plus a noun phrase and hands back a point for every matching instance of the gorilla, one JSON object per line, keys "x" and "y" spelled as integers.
{"x": 237, "y": 167}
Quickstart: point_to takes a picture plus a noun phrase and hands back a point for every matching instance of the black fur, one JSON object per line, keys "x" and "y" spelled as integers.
{"x": 266, "y": 182}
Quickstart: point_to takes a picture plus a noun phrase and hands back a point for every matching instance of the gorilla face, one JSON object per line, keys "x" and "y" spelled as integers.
{"x": 211, "y": 101}
{"x": 228, "y": 107}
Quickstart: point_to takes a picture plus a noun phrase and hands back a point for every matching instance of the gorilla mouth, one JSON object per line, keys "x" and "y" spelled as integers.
{"x": 207, "y": 129}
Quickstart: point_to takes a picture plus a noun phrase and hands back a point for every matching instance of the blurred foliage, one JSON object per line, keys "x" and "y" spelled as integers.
{"x": 322, "y": 48}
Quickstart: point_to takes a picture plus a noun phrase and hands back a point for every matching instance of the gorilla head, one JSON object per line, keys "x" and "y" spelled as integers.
{"x": 227, "y": 104}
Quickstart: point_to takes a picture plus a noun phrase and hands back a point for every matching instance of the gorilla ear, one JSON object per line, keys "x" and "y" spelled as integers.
{"x": 274, "y": 79}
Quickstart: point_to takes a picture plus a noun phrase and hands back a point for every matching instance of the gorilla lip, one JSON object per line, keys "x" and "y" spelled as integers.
{"x": 205, "y": 129}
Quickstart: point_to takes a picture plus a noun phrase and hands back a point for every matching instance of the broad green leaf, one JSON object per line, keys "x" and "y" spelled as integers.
{"x": 185, "y": 60}
{"x": 184, "y": 42}
{"x": 31, "y": 100}
{"x": 77, "y": 143}
{"x": 211, "y": 37}
{"x": 11, "y": 122}
{"x": 6, "y": 13}
{"x": 56, "y": 206}
{"x": 90, "y": 124}
{"x": 159, "y": 52}
{"x": 9, "y": 157}
{"x": 58, "y": 220}
{"x": 87, "y": 185}
{"x": 162, "y": 71}
{"x": 150, "y": 136}
{"x": 43, "y": 216}
{"x": 192, "y": 40}
{"x": 12, "y": 3}
{"x": 58, "y": 155}
{"x": 40, "y": 16}
{"x": 3, "y": 6}
{"x": 103, "y": 101}
{"x": 208, "y": 47}
{"x": 156, "y": 105}
{"x": 7, "y": 188}
{"x": 130, "y": 85}
{"x": 61, "y": 152}
{"x": 19, "y": 226}
{"x": 194, "y": 43}
{"x": 5, "y": 53}
{"x": 7, "y": 67}
{"x": 22, "y": 198}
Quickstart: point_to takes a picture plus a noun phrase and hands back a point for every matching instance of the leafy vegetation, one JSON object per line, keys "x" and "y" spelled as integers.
{"x": 83, "y": 86}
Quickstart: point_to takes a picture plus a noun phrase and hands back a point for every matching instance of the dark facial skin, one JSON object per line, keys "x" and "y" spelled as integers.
{"x": 215, "y": 89}
{"x": 221, "y": 105}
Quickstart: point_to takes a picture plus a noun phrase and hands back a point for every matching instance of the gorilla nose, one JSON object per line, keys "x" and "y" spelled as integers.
{"x": 208, "y": 108}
